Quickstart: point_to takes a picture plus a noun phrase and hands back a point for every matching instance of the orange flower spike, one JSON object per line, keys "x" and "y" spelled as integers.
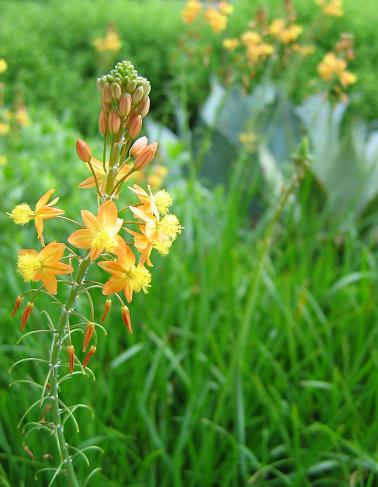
{"x": 25, "y": 316}
{"x": 44, "y": 265}
{"x": 17, "y": 305}
{"x": 44, "y": 210}
{"x": 125, "y": 275}
{"x": 91, "y": 352}
{"x": 88, "y": 334}
{"x": 101, "y": 232}
{"x": 108, "y": 304}
{"x": 71, "y": 357}
{"x": 126, "y": 318}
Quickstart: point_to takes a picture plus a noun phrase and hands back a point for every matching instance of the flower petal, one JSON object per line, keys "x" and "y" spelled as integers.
{"x": 44, "y": 199}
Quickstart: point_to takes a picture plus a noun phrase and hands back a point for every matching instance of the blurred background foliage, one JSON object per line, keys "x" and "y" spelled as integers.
{"x": 170, "y": 406}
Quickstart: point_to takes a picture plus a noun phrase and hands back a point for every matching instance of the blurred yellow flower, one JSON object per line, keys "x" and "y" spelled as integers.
{"x": 305, "y": 50}
{"x": 111, "y": 42}
{"x": 333, "y": 8}
{"x": 226, "y": 8}
{"x": 4, "y": 128}
{"x": 333, "y": 67}
{"x": 191, "y": 11}
{"x": 216, "y": 20}
{"x": 283, "y": 32}
{"x": 256, "y": 48}
{"x": 231, "y": 44}
{"x": 3, "y": 160}
{"x": 22, "y": 117}
{"x": 3, "y": 65}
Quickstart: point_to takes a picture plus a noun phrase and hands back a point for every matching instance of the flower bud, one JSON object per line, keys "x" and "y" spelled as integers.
{"x": 146, "y": 156}
{"x": 83, "y": 151}
{"x": 134, "y": 125}
{"x": 25, "y": 316}
{"x": 102, "y": 123}
{"x": 108, "y": 304}
{"x": 138, "y": 146}
{"x": 138, "y": 95}
{"x": 144, "y": 107}
{"x": 114, "y": 122}
{"x": 91, "y": 352}
{"x": 106, "y": 107}
{"x": 126, "y": 318}
{"x": 99, "y": 85}
{"x": 88, "y": 334}
{"x": 71, "y": 357}
{"x": 107, "y": 93}
{"x": 116, "y": 91}
{"x": 131, "y": 86}
{"x": 125, "y": 105}
{"x": 17, "y": 305}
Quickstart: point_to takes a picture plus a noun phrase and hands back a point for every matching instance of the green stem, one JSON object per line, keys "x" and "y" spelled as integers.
{"x": 56, "y": 358}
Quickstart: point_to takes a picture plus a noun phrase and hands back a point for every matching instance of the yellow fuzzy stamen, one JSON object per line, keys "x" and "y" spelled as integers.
{"x": 170, "y": 226}
{"x": 22, "y": 214}
{"x": 28, "y": 266}
{"x": 138, "y": 279}
{"x": 163, "y": 247}
{"x": 163, "y": 201}
{"x": 104, "y": 241}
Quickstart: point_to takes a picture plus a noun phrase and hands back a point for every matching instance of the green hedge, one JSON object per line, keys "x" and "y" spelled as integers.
{"x": 48, "y": 46}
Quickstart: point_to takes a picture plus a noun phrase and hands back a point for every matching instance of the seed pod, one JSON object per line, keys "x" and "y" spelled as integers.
{"x": 125, "y": 105}
{"x": 102, "y": 123}
{"x": 138, "y": 95}
{"x": 114, "y": 122}
{"x": 134, "y": 125}
{"x": 91, "y": 352}
{"x": 138, "y": 146}
{"x": 83, "y": 150}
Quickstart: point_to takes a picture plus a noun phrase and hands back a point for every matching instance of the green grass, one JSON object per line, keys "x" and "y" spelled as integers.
{"x": 186, "y": 401}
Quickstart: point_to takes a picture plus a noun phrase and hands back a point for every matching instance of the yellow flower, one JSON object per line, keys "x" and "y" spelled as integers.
{"x": 276, "y": 27}
{"x": 231, "y": 44}
{"x": 191, "y": 11}
{"x": 283, "y": 32}
{"x": 331, "y": 66}
{"x": 44, "y": 265}
{"x": 111, "y": 42}
{"x": 251, "y": 38}
{"x": 3, "y": 160}
{"x": 216, "y": 20}
{"x": 333, "y": 8}
{"x": 23, "y": 214}
{"x": 125, "y": 275}
{"x": 4, "y": 128}
{"x": 153, "y": 204}
{"x": 3, "y": 65}
{"x": 226, "y": 8}
{"x": 101, "y": 232}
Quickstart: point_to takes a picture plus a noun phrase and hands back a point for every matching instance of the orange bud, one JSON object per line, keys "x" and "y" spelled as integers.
{"x": 102, "y": 123}
{"x": 144, "y": 107}
{"x": 108, "y": 304}
{"x": 146, "y": 156}
{"x": 71, "y": 357}
{"x": 138, "y": 146}
{"x": 91, "y": 352}
{"x": 134, "y": 125}
{"x": 83, "y": 151}
{"x": 25, "y": 316}
{"x": 114, "y": 122}
{"x": 124, "y": 106}
{"x": 107, "y": 93}
{"x": 17, "y": 305}
{"x": 88, "y": 334}
{"x": 116, "y": 91}
{"x": 106, "y": 107}
{"x": 126, "y": 318}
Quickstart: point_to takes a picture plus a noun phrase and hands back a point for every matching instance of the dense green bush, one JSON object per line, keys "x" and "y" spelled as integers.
{"x": 48, "y": 46}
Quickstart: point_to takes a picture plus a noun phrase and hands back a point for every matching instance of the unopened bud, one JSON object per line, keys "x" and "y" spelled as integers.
{"x": 125, "y": 105}
{"x": 71, "y": 357}
{"x": 138, "y": 95}
{"x": 17, "y": 305}
{"x": 107, "y": 93}
{"x": 83, "y": 151}
{"x": 116, "y": 91}
{"x": 25, "y": 315}
{"x": 114, "y": 122}
{"x": 146, "y": 156}
{"x": 147, "y": 89}
{"x": 108, "y": 304}
{"x": 144, "y": 107}
{"x": 131, "y": 86}
{"x": 134, "y": 125}
{"x": 88, "y": 334}
{"x": 138, "y": 146}
{"x": 102, "y": 123}
{"x": 126, "y": 318}
{"x": 106, "y": 107}
{"x": 91, "y": 352}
